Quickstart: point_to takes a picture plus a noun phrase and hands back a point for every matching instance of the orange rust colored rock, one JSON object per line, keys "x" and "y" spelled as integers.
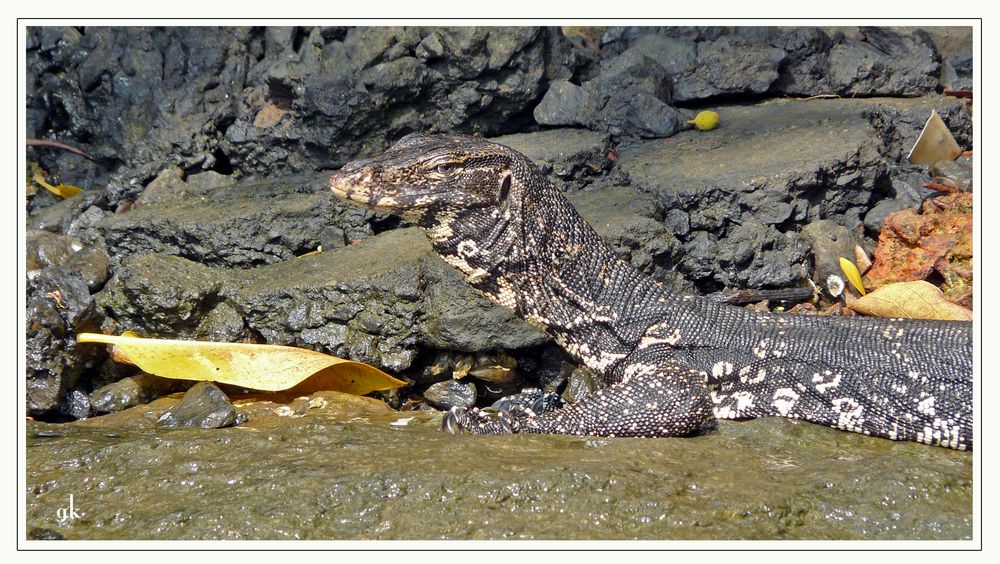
{"x": 934, "y": 244}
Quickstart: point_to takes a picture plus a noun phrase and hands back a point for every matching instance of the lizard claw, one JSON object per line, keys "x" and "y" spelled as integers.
{"x": 454, "y": 421}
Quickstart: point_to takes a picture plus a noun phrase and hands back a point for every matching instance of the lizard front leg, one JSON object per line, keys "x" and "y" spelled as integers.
{"x": 657, "y": 401}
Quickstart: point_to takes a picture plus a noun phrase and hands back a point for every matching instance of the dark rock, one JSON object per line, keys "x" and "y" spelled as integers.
{"x": 451, "y": 393}
{"x": 192, "y": 96}
{"x": 57, "y": 217}
{"x": 907, "y": 184}
{"x": 630, "y": 96}
{"x": 549, "y": 369}
{"x": 44, "y": 249}
{"x": 757, "y": 256}
{"x": 618, "y": 39}
{"x": 58, "y": 306}
{"x": 379, "y": 302}
{"x": 566, "y": 103}
{"x": 629, "y": 220}
{"x": 957, "y": 73}
{"x": 729, "y": 65}
{"x": 878, "y": 62}
{"x": 876, "y": 216}
{"x": 676, "y": 56}
{"x": 239, "y": 226}
{"x": 93, "y": 265}
{"x": 900, "y": 121}
{"x": 76, "y": 404}
{"x": 162, "y": 296}
{"x": 569, "y": 154}
{"x": 741, "y": 203}
{"x": 133, "y": 390}
{"x": 204, "y": 406}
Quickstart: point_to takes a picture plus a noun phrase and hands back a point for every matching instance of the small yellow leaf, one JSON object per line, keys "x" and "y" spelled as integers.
{"x": 63, "y": 190}
{"x": 259, "y": 367}
{"x": 853, "y": 276}
{"x": 913, "y": 300}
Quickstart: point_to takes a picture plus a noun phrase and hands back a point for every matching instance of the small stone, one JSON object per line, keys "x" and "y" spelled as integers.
{"x": 452, "y": 393}
{"x": 581, "y": 383}
{"x": 133, "y": 390}
{"x": 204, "y": 406}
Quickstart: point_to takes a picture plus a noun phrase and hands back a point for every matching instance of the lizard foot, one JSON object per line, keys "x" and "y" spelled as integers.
{"x": 488, "y": 421}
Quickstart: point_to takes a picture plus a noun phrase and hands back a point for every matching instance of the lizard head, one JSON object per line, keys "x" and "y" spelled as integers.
{"x": 427, "y": 178}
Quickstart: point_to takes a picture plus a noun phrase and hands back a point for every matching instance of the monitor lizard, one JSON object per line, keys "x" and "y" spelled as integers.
{"x": 672, "y": 363}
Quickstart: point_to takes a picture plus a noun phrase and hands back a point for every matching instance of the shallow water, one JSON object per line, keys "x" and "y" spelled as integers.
{"x": 341, "y": 470}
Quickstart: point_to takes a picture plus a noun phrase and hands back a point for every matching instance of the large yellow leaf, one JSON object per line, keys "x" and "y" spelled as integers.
{"x": 259, "y": 367}
{"x": 914, "y": 300}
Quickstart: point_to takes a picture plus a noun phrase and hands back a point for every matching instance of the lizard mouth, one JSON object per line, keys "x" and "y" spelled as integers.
{"x": 355, "y": 187}
{"x": 347, "y": 187}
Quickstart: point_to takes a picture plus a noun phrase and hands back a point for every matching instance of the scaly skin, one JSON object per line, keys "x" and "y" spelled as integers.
{"x": 673, "y": 363}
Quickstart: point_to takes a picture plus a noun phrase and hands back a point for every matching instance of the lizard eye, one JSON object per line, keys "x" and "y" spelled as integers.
{"x": 444, "y": 168}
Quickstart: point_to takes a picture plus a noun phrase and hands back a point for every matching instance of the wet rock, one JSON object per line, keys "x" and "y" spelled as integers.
{"x": 160, "y": 295}
{"x": 58, "y": 216}
{"x": 569, "y": 154}
{"x": 789, "y": 478}
{"x": 381, "y": 302}
{"x": 61, "y": 273}
{"x": 133, "y": 390}
{"x": 451, "y": 393}
{"x": 76, "y": 404}
{"x": 58, "y": 306}
{"x": 92, "y": 264}
{"x": 238, "y": 226}
{"x": 44, "y": 249}
{"x": 204, "y": 406}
